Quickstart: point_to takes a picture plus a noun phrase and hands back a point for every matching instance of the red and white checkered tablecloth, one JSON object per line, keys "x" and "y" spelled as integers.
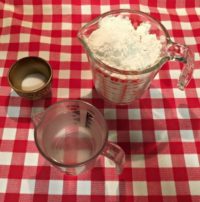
{"x": 160, "y": 133}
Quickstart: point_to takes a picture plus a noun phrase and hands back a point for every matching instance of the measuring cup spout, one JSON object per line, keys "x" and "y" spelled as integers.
{"x": 37, "y": 118}
{"x": 85, "y": 32}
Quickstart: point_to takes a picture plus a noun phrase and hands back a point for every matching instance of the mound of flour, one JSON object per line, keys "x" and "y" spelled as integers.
{"x": 118, "y": 44}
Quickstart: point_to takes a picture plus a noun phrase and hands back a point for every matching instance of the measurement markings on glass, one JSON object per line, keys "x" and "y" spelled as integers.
{"x": 89, "y": 119}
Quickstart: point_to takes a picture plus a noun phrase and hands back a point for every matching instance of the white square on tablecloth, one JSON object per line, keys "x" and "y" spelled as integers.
{"x": 181, "y": 11}
{"x": 198, "y": 92}
{"x": 64, "y": 74}
{"x": 178, "y": 93}
{"x": 22, "y": 54}
{"x": 196, "y": 57}
{"x": 134, "y": 114}
{"x": 186, "y": 25}
{"x": 3, "y": 185}
{"x": 144, "y": 8}
{"x": 7, "y": 22}
{"x": 183, "y": 113}
{"x": 83, "y": 187}
{"x": 140, "y": 188}
{"x": 3, "y": 55}
{"x": 27, "y": 186}
{"x": 9, "y": 133}
{"x": 28, "y": 9}
{"x": 111, "y": 188}
{"x": 31, "y": 134}
{"x": 13, "y": 111}
{"x": 109, "y": 163}
{"x": 124, "y": 6}
{"x": 55, "y": 187}
{"x": 157, "y": 77}
{"x": 174, "y": 74}
{"x": 196, "y": 72}
{"x": 47, "y": 9}
{"x": 86, "y": 93}
{"x": 5, "y": 158}
{"x": 45, "y": 39}
{"x": 86, "y": 74}
{"x": 191, "y": 160}
{"x": 9, "y": 7}
{"x": 164, "y": 161}
{"x": 66, "y": 9}
{"x": 137, "y": 161}
{"x": 45, "y": 55}
{"x": 27, "y": 24}
{"x": 63, "y": 93}
{"x": 1, "y": 72}
{"x": 194, "y": 187}
{"x": 84, "y": 58}
{"x": 65, "y": 57}
{"x": 136, "y": 136}
{"x": 104, "y": 8}
{"x": 66, "y": 26}
{"x": 24, "y": 38}
{"x": 31, "y": 159}
{"x": 156, "y": 93}
{"x": 47, "y": 26}
{"x": 83, "y": 24}
{"x": 190, "y": 41}
{"x": 110, "y": 114}
{"x": 161, "y": 136}
{"x": 167, "y": 24}
{"x": 187, "y": 135}
{"x": 168, "y": 188}
{"x": 158, "y": 113}
{"x": 5, "y": 38}
{"x": 13, "y": 93}
{"x": 66, "y": 41}
{"x": 85, "y": 9}
{"x": 163, "y": 10}
{"x": 197, "y": 10}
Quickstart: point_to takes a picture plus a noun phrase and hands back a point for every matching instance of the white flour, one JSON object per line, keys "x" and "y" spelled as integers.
{"x": 118, "y": 44}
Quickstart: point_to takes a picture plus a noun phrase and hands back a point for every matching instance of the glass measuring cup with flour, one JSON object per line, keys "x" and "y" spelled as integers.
{"x": 72, "y": 134}
{"x": 126, "y": 49}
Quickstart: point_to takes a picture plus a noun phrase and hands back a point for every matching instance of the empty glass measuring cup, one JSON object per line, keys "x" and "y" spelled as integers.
{"x": 121, "y": 86}
{"x": 72, "y": 134}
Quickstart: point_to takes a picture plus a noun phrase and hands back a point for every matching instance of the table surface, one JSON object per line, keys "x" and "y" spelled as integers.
{"x": 159, "y": 133}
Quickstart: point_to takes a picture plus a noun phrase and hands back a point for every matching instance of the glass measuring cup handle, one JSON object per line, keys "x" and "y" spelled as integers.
{"x": 116, "y": 154}
{"x": 183, "y": 54}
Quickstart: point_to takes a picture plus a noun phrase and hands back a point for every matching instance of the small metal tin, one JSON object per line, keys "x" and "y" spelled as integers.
{"x": 24, "y": 67}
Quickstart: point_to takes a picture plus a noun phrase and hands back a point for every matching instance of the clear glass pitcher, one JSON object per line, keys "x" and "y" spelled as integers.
{"x": 124, "y": 86}
{"x": 72, "y": 134}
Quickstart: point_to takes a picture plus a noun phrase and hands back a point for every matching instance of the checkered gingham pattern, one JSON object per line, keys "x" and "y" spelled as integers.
{"x": 160, "y": 133}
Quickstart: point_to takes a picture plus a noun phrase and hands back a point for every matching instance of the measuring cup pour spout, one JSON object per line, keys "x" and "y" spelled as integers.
{"x": 84, "y": 33}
